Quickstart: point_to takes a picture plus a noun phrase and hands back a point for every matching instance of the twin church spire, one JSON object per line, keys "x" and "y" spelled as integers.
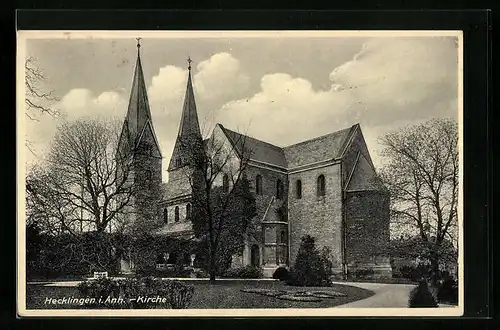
{"x": 138, "y": 124}
{"x": 138, "y": 121}
{"x": 189, "y": 135}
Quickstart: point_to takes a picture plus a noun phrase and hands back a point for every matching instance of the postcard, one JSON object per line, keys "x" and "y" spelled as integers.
{"x": 239, "y": 173}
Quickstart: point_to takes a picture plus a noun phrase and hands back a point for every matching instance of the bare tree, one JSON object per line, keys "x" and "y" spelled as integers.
{"x": 422, "y": 177}
{"x": 223, "y": 207}
{"x": 43, "y": 205}
{"x": 82, "y": 183}
{"x": 37, "y": 100}
{"x": 85, "y": 196}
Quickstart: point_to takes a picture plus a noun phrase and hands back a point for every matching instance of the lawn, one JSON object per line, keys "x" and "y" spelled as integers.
{"x": 224, "y": 294}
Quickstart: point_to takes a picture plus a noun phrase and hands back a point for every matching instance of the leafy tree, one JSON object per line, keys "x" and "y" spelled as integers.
{"x": 312, "y": 267}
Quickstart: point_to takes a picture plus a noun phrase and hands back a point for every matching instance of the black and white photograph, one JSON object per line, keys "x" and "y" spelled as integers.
{"x": 239, "y": 173}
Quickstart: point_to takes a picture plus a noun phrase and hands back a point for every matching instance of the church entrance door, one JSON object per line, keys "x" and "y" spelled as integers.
{"x": 254, "y": 256}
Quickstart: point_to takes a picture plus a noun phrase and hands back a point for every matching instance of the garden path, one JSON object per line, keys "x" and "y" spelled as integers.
{"x": 386, "y": 295}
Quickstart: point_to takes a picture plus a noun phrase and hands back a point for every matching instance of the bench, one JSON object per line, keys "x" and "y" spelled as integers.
{"x": 100, "y": 274}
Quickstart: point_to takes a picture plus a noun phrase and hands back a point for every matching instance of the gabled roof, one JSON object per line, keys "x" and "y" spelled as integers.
{"x": 256, "y": 149}
{"x": 326, "y": 147}
{"x": 363, "y": 176}
{"x": 149, "y": 125}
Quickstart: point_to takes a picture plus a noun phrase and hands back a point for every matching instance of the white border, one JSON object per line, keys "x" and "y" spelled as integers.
{"x": 22, "y": 37}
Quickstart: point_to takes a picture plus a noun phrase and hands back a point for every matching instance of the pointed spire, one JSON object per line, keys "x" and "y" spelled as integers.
{"x": 138, "y": 43}
{"x": 138, "y": 113}
{"x": 189, "y": 118}
{"x": 189, "y": 128}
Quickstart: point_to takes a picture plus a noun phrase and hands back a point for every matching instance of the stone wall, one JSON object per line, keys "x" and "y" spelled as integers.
{"x": 147, "y": 188}
{"x": 367, "y": 229}
{"x": 269, "y": 180}
{"x": 270, "y": 238}
{"x": 178, "y": 183}
{"x": 320, "y": 217}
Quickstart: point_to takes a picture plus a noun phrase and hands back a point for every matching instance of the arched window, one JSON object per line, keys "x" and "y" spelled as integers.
{"x": 298, "y": 189}
{"x": 165, "y": 215}
{"x": 321, "y": 186}
{"x": 258, "y": 184}
{"x": 279, "y": 189}
{"x": 225, "y": 183}
{"x": 188, "y": 210}
{"x": 148, "y": 175}
{"x": 176, "y": 214}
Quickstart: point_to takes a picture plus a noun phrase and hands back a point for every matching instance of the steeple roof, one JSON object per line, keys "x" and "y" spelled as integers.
{"x": 189, "y": 128}
{"x": 138, "y": 116}
{"x": 189, "y": 120}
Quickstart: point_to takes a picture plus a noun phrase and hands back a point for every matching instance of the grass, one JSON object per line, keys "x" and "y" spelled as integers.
{"x": 215, "y": 296}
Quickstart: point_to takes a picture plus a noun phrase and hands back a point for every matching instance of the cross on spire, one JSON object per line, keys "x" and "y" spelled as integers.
{"x": 138, "y": 42}
{"x": 189, "y": 62}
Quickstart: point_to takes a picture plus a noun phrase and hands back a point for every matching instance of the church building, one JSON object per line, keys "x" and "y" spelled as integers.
{"x": 325, "y": 187}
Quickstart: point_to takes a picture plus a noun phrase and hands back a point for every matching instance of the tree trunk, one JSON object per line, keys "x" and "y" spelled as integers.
{"x": 434, "y": 269}
{"x": 212, "y": 263}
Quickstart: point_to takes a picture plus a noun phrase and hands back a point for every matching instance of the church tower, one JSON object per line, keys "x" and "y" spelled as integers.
{"x": 189, "y": 139}
{"x": 140, "y": 151}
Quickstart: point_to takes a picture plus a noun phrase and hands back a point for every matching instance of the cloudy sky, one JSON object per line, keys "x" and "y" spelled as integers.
{"x": 281, "y": 90}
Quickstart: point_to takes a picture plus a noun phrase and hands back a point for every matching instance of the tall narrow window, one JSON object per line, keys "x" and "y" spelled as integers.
{"x": 188, "y": 210}
{"x": 279, "y": 189}
{"x": 148, "y": 175}
{"x": 298, "y": 189}
{"x": 225, "y": 183}
{"x": 165, "y": 215}
{"x": 258, "y": 184}
{"x": 282, "y": 237}
{"x": 176, "y": 214}
{"x": 321, "y": 185}
{"x": 177, "y": 162}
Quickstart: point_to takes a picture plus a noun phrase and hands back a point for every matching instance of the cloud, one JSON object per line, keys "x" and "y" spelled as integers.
{"x": 82, "y": 102}
{"x": 402, "y": 72}
{"x": 283, "y": 105}
{"x": 388, "y": 83}
{"x": 168, "y": 86}
{"x": 77, "y": 103}
{"x": 220, "y": 76}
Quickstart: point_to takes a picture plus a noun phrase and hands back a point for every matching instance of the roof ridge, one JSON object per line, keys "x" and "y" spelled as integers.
{"x": 251, "y": 137}
{"x": 319, "y": 137}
